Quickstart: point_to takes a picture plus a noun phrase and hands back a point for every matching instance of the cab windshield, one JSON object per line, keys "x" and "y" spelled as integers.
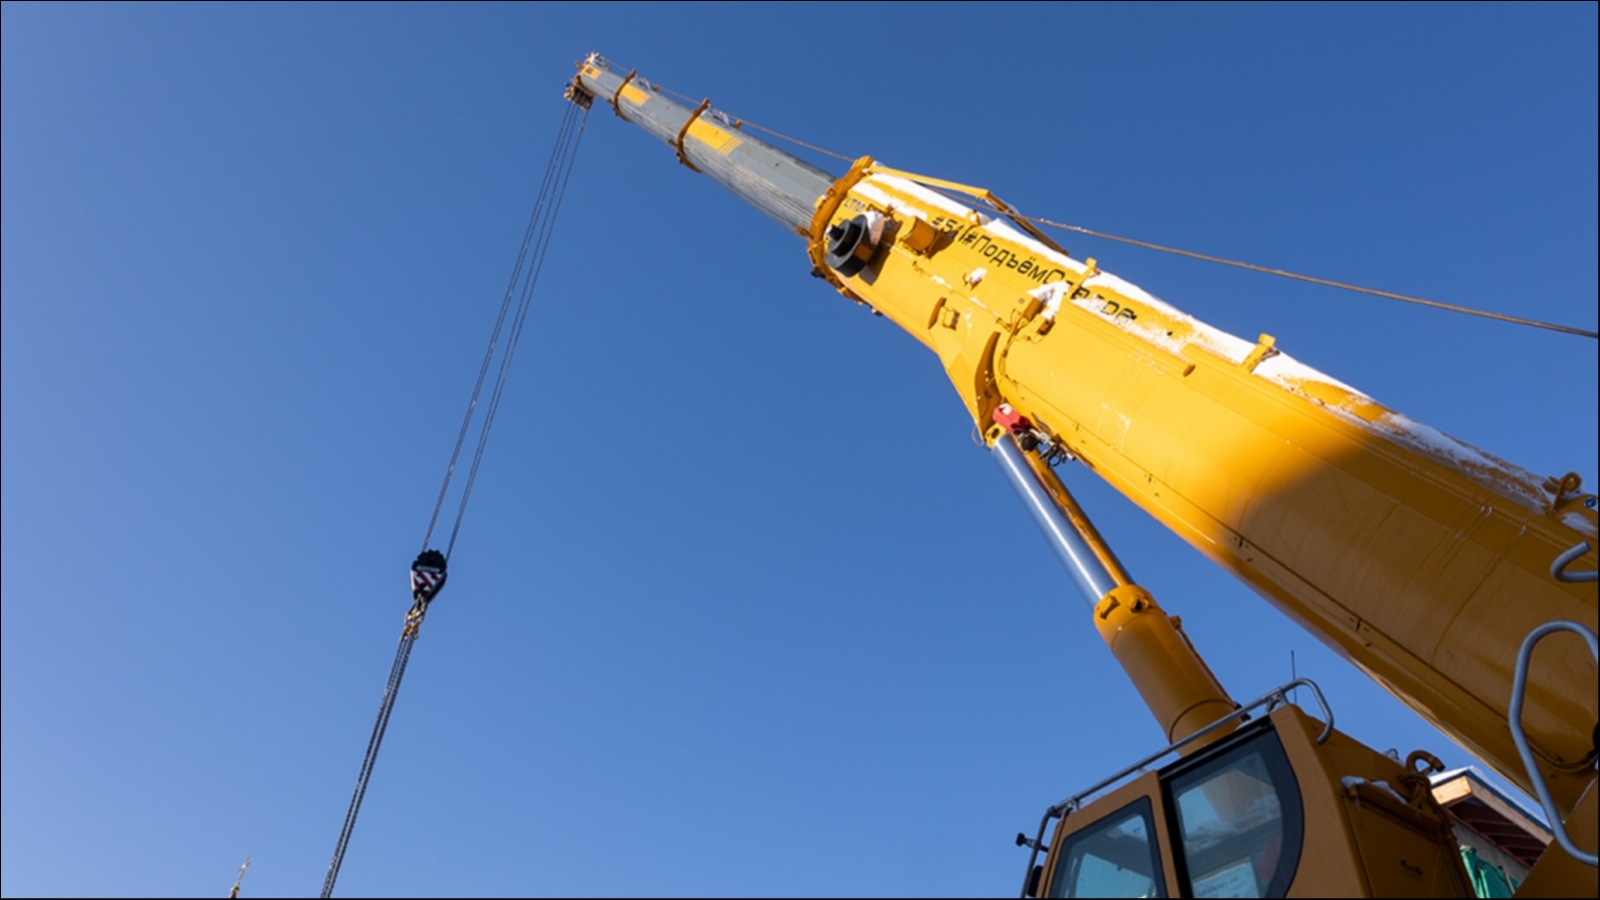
{"x": 1114, "y": 857}
{"x": 1238, "y": 822}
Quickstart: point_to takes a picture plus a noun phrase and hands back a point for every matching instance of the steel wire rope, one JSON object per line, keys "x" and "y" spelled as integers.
{"x": 505, "y": 304}
{"x": 1206, "y": 257}
{"x": 1220, "y": 260}
{"x": 391, "y": 690}
{"x": 1312, "y": 279}
{"x": 1012, "y": 213}
{"x": 536, "y": 266}
{"x": 537, "y": 236}
{"x": 741, "y": 123}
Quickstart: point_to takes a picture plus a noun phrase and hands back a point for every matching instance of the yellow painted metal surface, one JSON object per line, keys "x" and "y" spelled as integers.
{"x": 714, "y": 137}
{"x": 1370, "y": 827}
{"x": 1421, "y": 559}
{"x": 1170, "y": 676}
{"x": 1557, "y": 874}
{"x": 1175, "y": 683}
{"x": 1147, "y": 785}
{"x": 633, "y": 95}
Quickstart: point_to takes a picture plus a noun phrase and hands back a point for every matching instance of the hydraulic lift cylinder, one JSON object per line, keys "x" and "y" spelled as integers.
{"x": 1065, "y": 527}
{"x": 1151, "y": 647}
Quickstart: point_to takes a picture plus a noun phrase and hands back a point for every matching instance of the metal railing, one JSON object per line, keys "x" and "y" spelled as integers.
{"x": 1558, "y": 568}
{"x": 1519, "y": 688}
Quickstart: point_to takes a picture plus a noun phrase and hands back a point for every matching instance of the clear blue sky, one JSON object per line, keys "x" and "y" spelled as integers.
{"x": 739, "y": 608}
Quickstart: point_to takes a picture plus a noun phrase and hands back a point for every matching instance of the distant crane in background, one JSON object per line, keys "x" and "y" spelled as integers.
{"x": 240, "y": 880}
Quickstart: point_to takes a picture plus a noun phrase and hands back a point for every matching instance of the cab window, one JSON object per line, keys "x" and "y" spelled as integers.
{"x": 1114, "y": 857}
{"x": 1238, "y": 824}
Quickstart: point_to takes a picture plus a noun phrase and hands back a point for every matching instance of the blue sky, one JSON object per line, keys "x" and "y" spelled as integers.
{"x": 738, "y": 607}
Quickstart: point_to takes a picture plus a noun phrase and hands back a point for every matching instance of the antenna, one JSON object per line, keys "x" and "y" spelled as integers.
{"x": 1294, "y": 677}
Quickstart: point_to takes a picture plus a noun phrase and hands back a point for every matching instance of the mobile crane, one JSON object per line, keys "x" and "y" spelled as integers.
{"x": 1434, "y": 567}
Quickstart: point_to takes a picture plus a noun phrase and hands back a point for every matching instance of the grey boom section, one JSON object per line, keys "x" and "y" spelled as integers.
{"x": 782, "y": 186}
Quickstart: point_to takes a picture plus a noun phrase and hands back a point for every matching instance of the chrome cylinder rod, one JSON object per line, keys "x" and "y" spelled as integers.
{"x": 1095, "y": 573}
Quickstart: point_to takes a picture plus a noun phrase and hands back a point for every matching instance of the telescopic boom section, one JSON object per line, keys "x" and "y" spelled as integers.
{"x": 1423, "y": 560}
{"x": 709, "y": 141}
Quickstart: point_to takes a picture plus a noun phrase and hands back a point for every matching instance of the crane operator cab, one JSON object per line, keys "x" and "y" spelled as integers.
{"x": 1283, "y": 806}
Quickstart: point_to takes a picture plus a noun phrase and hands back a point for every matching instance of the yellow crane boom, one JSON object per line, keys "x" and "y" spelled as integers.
{"x": 1423, "y": 560}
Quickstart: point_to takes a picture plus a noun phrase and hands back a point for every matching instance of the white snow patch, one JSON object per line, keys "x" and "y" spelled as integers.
{"x": 1051, "y": 296}
{"x": 976, "y": 276}
{"x": 1285, "y": 371}
{"x": 1003, "y": 229}
{"x": 1579, "y": 522}
{"x": 922, "y": 194}
{"x": 1173, "y": 340}
{"x": 1484, "y": 468}
{"x": 868, "y": 191}
{"x": 1350, "y": 781}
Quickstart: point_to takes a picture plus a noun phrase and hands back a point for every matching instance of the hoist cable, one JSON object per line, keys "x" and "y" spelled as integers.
{"x": 524, "y": 277}
{"x": 536, "y": 266}
{"x": 390, "y": 691}
{"x": 505, "y": 304}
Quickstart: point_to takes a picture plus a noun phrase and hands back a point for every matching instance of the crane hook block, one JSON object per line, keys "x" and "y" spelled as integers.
{"x": 427, "y": 576}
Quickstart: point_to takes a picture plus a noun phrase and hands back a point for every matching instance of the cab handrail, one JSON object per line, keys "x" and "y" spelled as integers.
{"x": 1519, "y": 688}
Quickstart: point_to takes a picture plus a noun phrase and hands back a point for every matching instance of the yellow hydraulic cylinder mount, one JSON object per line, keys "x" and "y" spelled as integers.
{"x": 1161, "y": 662}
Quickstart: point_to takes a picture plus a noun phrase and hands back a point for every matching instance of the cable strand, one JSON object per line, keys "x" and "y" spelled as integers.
{"x": 536, "y": 266}
{"x": 741, "y": 123}
{"x": 1206, "y": 257}
{"x": 385, "y": 707}
{"x": 494, "y": 336}
{"x": 1312, "y": 279}
{"x": 524, "y": 277}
